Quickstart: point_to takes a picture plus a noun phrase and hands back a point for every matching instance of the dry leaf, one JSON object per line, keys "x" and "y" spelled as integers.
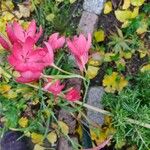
{"x": 145, "y": 68}
{"x": 92, "y": 72}
{"x": 126, "y": 4}
{"x": 38, "y": 147}
{"x": 64, "y": 128}
{"x": 123, "y": 15}
{"x": 23, "y": 122}
{"x": 107, "y": 7}
{"x": 52, "y": 137}
{"x": 114, "y": 82}
{"x": 137, "y": 2}
{"x": 99, "y": 35}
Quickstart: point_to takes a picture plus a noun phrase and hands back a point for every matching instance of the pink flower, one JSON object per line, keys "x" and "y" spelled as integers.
{"x": 24, "y": 57}
{"x": 28, "y": 76}
{"x": 54, "y": 87}
{"x": 79, "y": 47}
{"x": 49, "y": 59}
{"x": 16, "y": 33}
{"x": 56, "y": 42}
{"x": 73, "y": 95}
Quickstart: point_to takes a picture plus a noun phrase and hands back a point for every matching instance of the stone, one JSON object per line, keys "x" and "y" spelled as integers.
{"x": 93, "y": 6}
{"x": 64, "y": 144}
{"x": 88, "y": 23}
{"x": 94, "y": 98}
{"x": 66, "y": 117}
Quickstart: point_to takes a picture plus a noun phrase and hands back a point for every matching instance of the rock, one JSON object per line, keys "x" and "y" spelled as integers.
{"x": 88, "y": 23}
{"x": 94, "y": 99}
{"x": 12, "y": 141}
{"x": 64, "y": 144}
{"x": 68, "y": 119}
{"x": 93, "y": 6}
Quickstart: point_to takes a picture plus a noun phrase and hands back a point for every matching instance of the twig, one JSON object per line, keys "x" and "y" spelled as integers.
{"x": 129, "y": 120}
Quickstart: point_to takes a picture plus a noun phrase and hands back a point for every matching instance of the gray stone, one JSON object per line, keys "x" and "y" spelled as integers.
{"x": 94, "y": 99}
{"x": 68, "y": 119}
{"x": 93, "y": 6}
{"x": 64, "y": 144}
{"x": 88, "y": 23}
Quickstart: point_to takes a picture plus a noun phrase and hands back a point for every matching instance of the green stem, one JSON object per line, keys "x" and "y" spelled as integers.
{"x": 62, "y": 76}
{"x": 61, "y": 70}
{"x": 86, "y": 85}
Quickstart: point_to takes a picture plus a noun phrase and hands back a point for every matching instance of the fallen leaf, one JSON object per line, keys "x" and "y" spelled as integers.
{"x": 99, "y": 36}
{"x": 72, "y": 1}
{"x": 38, "y": 147}
{"x": 135, "y": 12}
{"x": 107, "y": 7}
{"x": 145, "y": 68}
{"x": 126, "y": 4}
{"x": 64, "y": 128}
{"x": 37, "y": 138}
{"x": 123, "y": 15}
{"x": 23, "y": 122}
{"x": 114, "y": 82}
{"x": 92, "y": 72}
{"x": 143, "y": 28}
{"x": 52, "y": 137}
{"x": 137, "y": 2}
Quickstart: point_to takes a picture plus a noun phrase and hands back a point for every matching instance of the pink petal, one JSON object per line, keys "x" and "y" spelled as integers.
{"x": 50, "y": 54}
{"x": 56, "y": 42}
{"x": 4, "y": 44}
{"x": 31, "y": 29}
{"x": 10, "y": 33}
{"x": 28, "y": 46}
{"x": 89, "y": 41}
{"x": 28, "y": 76}
{"x": 18, "y": 31}
{"x": 73, "y": 95}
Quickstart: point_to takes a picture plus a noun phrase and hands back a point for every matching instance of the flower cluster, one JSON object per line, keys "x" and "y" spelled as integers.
{"x": 29, "y": 60}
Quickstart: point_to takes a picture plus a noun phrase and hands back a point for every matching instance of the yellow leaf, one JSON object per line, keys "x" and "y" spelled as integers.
{"x": 126, "y": 4}
{"x": 38, "y": 147}
{"x": 10, "y": 95}
{"x": 72, "y": 1}
{"x": 145, "y": 68}
{"x": 37, "y": 138}
{"x": 123, "y": 15}
{"x": 114, "y": 82}
{"x": 126, "y": 55}
{"x": 7, "y": 5}
{"x": 97, "y": 135}
{"x": 50, "y": 17}
{"x": 92, "y": 72}
{"x": 143, "y": 53}
{"x": 107, "y": 7}
{"x": 52, "y": 137}
{"x": 7, "y": 16}
{"x": 125, "y": 24}
{"x": 137, "y": 2}
{"x": 143, "y": 28}
{"x": 135, "y": 12}
{"x": 64, "y": 128}
{"x": 4, "y": 88}
{"x": 23, "y": 122}
{"x": 99, "y": 36}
